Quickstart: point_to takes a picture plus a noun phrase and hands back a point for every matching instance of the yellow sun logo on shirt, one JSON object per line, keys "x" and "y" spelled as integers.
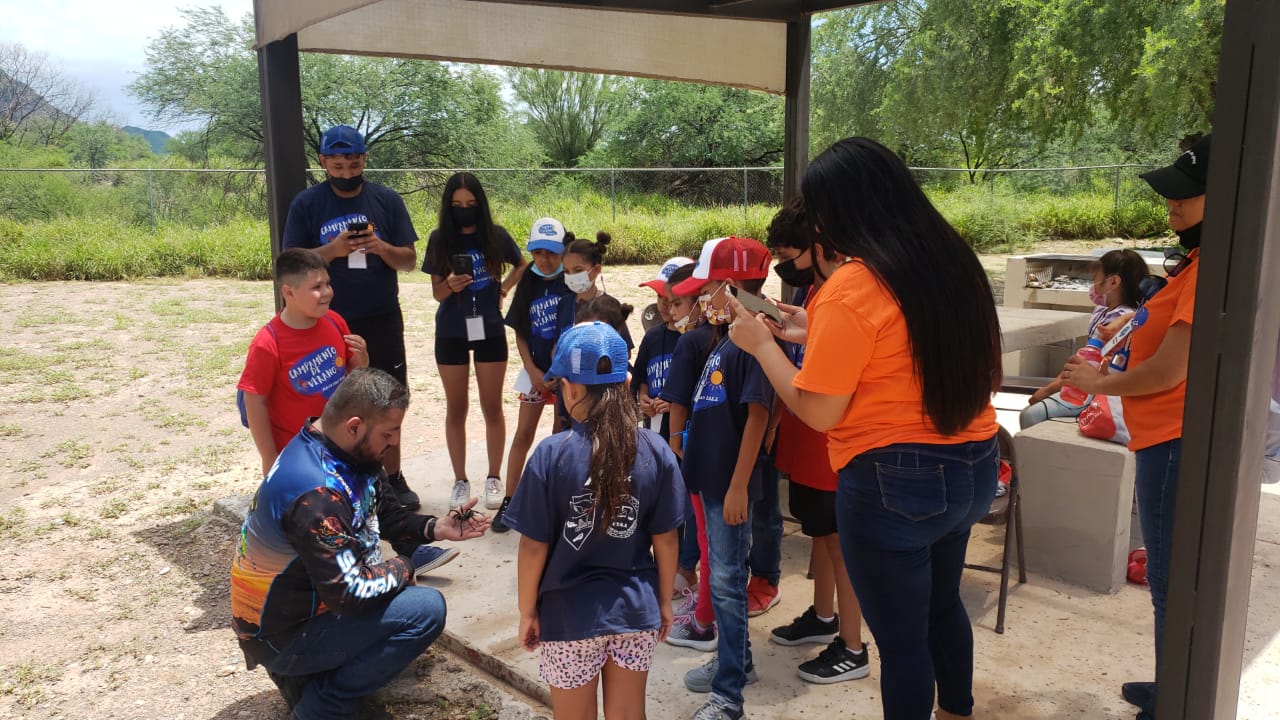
{"x": 339, "y": 361}
{"x": 717, "y": 377}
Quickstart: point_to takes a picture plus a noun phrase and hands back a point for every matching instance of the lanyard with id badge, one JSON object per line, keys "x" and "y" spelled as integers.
{"x": 461, "y": 264}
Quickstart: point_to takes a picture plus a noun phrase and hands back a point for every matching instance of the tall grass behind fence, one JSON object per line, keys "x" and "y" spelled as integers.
{"x": 124, "y": 223}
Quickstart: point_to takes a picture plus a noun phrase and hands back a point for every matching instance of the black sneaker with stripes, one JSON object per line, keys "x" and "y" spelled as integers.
{"x": 836, "y": 663}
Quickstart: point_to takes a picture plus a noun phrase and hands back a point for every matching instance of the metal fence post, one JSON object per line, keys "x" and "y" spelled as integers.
{"x": 745, "y": 201}
{"x": 151, "y": 201}
{"x": 1115, "y": 209}
{"x": 613, "y": 193}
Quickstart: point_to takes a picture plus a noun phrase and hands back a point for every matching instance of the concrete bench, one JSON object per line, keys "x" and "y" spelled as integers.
{"x": 1077, "y": 501}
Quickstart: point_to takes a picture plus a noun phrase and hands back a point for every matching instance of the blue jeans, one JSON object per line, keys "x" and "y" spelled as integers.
{"x": 904, "y": 514}
{"x": 353, "y": 656}
{"x": 1156, "y": 480}
{"x": 689, "y": 553}
{"x": 765, "y": 559}
{"x": 728, "y": 548}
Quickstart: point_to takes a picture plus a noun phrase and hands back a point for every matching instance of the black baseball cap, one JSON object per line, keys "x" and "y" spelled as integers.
{"x": 1186, "y": 177}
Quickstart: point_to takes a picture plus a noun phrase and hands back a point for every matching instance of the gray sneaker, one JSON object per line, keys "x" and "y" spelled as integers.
{"x": 717, "y": 708}
{"x": 461, "y": 493}
{"x": 686, "y": 633}
{"x": 699, "y": 679}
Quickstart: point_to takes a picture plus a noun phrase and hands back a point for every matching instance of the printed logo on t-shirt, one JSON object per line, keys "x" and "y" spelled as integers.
{"x": 318, "y": 373}
{"x": 542, "y": 317}
{"x": 655, "y": 373}
{"x": 624, "y": 524}
{"x": 336, "y": 226}
{"x": 710, "y": 390}
{"x": 582, "y": 520}
{"x": 480, "y": 277}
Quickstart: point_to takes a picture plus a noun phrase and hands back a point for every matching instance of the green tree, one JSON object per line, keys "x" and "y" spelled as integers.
{"x": 101, "y": 144}
{"x": 413, "y": 112}
{"x": 675, "y": 124}
{"x": 568, "y": 112}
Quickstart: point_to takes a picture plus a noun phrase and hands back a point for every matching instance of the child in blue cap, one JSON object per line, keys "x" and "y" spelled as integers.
{"x": 598, "y": 509}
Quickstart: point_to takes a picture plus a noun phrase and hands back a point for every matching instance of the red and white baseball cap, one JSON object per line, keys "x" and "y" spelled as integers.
{"x": 659, "y": 283}
{"x": 727, "y": 258}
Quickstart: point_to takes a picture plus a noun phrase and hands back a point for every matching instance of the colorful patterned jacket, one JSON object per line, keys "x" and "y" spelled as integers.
{"x": 311, "y": 544}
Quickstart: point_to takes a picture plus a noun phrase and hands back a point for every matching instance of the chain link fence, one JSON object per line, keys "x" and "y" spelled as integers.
{"x": 1118, "y": 203}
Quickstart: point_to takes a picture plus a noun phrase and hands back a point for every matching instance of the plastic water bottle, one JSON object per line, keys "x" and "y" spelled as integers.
{"x": 1092, "y": 354}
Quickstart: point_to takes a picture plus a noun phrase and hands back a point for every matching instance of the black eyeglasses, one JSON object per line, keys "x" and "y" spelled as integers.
{"x": 1174, "y": 263}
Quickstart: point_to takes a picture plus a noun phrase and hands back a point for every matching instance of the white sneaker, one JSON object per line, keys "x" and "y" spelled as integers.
{"x": 461, "y": 493}
{"x": 493, "y": 492}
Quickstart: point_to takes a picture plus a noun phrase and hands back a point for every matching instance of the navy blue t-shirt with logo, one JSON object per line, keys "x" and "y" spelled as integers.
{"x": 483, "y": 296}
{"x": 544, "y": 330}
{"x": 730, "y": 381}
{"x": 317, "y": 216}
{"x": 687, "y": 361}
{"x": 600, "y": 577}
{"x": 653, "y": 361}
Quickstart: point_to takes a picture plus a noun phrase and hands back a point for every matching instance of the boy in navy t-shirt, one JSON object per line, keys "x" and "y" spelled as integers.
{"x": 727, "y": 424}
{"x": 654, "y": 355}
{"x": 597, "y": 508}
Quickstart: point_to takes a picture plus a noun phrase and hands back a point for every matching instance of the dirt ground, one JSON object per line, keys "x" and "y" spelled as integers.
{"x": 118, "y": 431}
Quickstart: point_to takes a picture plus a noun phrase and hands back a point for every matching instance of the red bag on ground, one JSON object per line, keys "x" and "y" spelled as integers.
{"x": 1138, "y": 566}
{"x": 1104, "y": 419}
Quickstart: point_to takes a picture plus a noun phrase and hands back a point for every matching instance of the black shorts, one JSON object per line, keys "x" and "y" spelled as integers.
{"x": 815, "y": 509}
{"x": 384, "y": 336}
{"x": 456, "y": 351}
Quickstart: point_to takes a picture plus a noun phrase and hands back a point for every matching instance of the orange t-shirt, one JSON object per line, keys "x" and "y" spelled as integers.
{"x": 858, "y": 345}
{"x": 1156, "y": 418}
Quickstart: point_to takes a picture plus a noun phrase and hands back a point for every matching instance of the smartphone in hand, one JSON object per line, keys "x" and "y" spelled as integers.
{"x": 357, "y": 228}
{"x": 460, "y": 264}
{"x": 757, "y": 304}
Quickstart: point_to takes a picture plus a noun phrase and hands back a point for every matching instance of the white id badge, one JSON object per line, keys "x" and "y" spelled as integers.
{"x": 357, "y": 261}
{"x": 475, "y": 328}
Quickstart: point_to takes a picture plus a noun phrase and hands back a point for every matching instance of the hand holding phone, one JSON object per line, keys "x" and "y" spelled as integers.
{"x": 460, "y": 264}
{"x": 757, "y": 304}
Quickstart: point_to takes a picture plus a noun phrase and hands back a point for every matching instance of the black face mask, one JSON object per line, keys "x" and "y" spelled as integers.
{"x": 465, "y": 216}
{"x": 1190, "y": 238}
{"x": 350, "y": 184}
{"x": 793, "y": 276}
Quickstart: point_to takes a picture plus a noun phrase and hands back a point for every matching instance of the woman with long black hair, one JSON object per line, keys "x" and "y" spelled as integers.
{"x": 466, "y": 255}
{"x": 902, "y": 356}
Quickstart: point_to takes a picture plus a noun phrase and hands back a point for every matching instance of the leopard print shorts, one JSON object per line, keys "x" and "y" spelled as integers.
{"x": 571, "y": 664}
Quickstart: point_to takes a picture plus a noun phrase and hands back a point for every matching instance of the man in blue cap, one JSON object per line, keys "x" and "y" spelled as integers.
{"x": 362, "y": 229}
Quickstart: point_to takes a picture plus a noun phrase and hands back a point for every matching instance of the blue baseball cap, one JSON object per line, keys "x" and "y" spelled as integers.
{"x": 342, "y": 140}
{"x": 546, "y": 234}
{"x": 580, "y": 350}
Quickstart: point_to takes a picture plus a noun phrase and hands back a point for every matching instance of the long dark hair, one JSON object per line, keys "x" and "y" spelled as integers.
{"x": 611, "y": 424}
{"x": 1130, "y": 268}
{"x": 867, "y": 205}
{"x": 485, "y": 229}
{"x": 522, "y": 298}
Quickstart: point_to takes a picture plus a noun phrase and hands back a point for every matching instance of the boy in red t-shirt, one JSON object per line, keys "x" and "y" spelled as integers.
{"x": 298, "y": 359}
{"x": 802, "y": 454}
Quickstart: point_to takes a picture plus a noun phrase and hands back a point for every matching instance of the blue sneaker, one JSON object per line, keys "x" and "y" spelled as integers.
{"x": 429, "y": 557}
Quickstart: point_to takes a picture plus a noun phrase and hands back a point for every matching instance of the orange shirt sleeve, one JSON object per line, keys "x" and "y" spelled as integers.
{"x": 1185, "y": 310}
{"x": 841, "y": 343}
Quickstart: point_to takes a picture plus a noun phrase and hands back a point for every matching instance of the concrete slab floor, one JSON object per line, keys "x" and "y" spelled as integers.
{"x": 1064, "y": 653}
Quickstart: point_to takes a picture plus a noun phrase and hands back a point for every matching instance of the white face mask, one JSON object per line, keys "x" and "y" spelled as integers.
{"x": 713, "y": 315}
{"x": 578, "y": 282}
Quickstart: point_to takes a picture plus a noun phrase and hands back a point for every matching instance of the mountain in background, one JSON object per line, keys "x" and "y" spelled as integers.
{"x": 157, "y": 139}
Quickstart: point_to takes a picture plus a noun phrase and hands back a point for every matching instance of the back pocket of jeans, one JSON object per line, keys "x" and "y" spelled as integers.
{"x": 914, "y": 493}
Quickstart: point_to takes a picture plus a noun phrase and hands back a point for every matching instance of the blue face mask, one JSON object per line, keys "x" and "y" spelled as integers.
{"x": 534, "y": 267}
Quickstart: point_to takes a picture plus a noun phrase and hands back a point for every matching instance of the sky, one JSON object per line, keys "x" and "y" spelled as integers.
{"x": 102, "y": 44}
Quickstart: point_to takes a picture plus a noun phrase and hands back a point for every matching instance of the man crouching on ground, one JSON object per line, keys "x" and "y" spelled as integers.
{"x": 312, "y": 599}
